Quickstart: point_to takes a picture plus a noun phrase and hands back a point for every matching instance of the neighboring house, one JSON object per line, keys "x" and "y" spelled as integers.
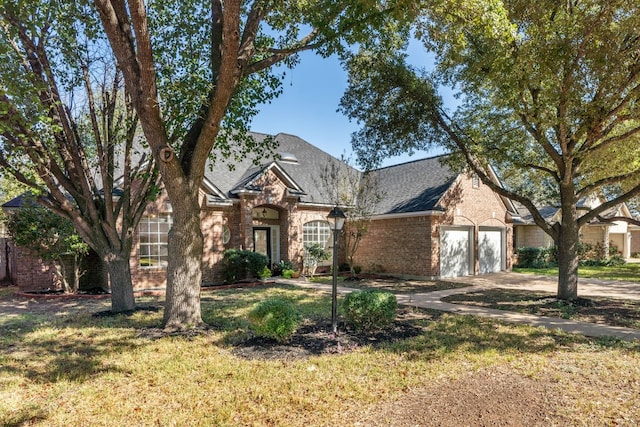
{"x": 432, "y": 222}
{"x": 635, "y": 240}
{"x": 624, "y": 236}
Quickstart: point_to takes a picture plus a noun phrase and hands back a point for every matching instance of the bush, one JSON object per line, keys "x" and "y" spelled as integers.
{"x": 369, "y": 310}
{"x": 238, "y": 265}
{"x": 280, "y": 267}
{"x": 536, "y": 257}
{"x": 313, "y": 255}
{"x": 275, "y": 318}
{"x": 265, "y": 273}
{"x": 288, "y": 274}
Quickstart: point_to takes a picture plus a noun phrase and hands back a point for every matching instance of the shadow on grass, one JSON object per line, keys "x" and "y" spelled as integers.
{"x": 609, "y": 311}
{"x": 51, "y": 347}
{"x": 24, "y": 416}
{"x": 428, "y": 334}
{"x": 76, "y": 347}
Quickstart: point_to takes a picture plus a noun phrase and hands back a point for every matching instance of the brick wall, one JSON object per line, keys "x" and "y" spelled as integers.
{"x": 410, "y": 245}
{"x": 532, "y": 236}
{"x": 397, "y": 245}
{"x": 592, "y": 234}
{"x": 238, "y": 217}
{"x": 29, "y": 272}
{"x": 401, "y": 245}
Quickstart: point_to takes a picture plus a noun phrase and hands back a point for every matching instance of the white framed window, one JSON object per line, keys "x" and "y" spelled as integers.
{"x": 316, "y": 232}
{"x": 226, "y": 234}
{"x": 476, "y": 180}
{"x": 154, "y": 236}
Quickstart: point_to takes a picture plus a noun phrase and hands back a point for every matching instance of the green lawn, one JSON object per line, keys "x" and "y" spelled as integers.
{"x": 66, "y": 367}
{"x": 627, "y": 272}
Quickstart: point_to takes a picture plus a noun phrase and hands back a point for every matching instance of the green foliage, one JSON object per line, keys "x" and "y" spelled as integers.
{"x": 589, "y": 254}
{"x": 547, "y": 95}
{"x": 280, "y": 267}
{"x": 265, "y": 273}
{"x": 50, "y": 237}
{"x": 313, "y": 255}
{"x": 44, "y": 232}
{"x": 239, "y": 264}
{"x": 288, "y": 274}
{"x": 536, "y": 257}
{"x": 369, "y": 310}
{"x": 275, "y": 318}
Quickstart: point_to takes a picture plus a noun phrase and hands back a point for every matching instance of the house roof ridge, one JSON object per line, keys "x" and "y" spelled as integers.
{"x": 411, "y": 161}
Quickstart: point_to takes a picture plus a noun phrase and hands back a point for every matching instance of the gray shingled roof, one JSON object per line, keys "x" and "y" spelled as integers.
{"x": 525, "y": 218}
{"x": 548, "y": 212}
{"x": 414, "y": 186}
{"x": 305, "y": 173}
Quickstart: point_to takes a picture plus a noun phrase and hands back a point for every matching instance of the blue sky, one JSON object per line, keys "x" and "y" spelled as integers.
{"x": 307, "y": 108}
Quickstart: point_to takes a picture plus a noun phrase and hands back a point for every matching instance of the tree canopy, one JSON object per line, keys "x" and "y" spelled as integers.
{"x": 196, "y": 71}
{"x": 68, "y": 130}
{"x": 549, "y": 92}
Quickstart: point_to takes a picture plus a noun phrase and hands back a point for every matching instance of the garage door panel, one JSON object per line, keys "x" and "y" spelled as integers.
{"x": 490, "y": 252}
{"x": 454, "y": 252}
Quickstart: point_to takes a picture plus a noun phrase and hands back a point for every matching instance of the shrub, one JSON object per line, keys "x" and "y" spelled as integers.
{"x": 280, "y": 267}
{"x": 313, "y": 255}
{"x": 265, "y": 273}
{"x": 536, "y": 257}
{"x": 369, "y": 310}
{"x": 288, "y": 274}
{"x": 275, "y": 318}
{"x": 238, "y": 265}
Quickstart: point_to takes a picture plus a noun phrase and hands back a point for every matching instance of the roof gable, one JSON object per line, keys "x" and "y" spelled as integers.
{"x": 301, "y": 176}
{"x": 415, "y": 186}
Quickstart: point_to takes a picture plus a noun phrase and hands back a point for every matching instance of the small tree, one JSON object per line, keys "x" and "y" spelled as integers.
{"x": 313, "y": 254}
{"x": 360, "y": 193}
{"x": 52, "y": 238}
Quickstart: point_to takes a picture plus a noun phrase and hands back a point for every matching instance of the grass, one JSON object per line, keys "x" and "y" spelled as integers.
{"x": 609, "y": 311}
{"x": 75, "y": 369}
{"x": 628, "y": 272}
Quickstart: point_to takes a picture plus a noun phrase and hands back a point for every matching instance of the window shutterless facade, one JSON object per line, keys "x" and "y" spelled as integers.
{"x": 316, "y": 232}
{"x": 154, "y": 235}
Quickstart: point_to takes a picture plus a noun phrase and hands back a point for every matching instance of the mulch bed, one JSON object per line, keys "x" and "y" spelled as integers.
{"x": 315, "y": 337}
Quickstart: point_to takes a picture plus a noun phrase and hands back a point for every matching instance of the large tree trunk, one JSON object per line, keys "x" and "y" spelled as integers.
{"x": 184, "y": 271}
{"x": 568, "y": 242}
{"x": 119, "y": 271}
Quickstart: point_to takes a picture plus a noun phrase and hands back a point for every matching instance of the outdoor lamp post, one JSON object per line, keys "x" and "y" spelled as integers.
{"x": 336, "y": 220}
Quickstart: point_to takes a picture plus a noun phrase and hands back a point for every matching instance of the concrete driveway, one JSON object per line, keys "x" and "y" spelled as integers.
{"x": 533, "y": 282}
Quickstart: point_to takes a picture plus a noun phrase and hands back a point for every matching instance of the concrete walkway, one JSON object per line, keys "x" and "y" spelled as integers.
{"x": 586, "y": 287}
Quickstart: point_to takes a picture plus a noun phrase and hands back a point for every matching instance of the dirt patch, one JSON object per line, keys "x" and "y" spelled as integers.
{"x": 487, "y": 398}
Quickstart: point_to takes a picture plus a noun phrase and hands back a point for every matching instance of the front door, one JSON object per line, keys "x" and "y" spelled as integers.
{"x": 262, "y": 242}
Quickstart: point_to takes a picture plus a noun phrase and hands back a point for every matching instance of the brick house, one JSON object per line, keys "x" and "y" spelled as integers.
{"x": 432, "y": 222}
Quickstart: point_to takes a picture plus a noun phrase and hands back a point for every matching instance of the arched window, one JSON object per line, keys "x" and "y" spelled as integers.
{"x": 316, "y": 232}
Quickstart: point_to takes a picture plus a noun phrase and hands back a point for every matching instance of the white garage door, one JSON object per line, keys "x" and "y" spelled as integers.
{"x": 454, "y": 252}
{"x": 490, "y": 251}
